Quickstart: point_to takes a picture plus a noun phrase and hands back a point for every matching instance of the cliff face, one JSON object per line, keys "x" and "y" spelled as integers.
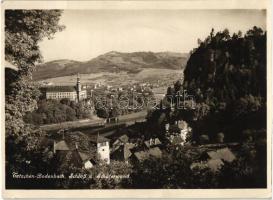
{"x": 228, "y": 67}
{"x": 227, "y": 76}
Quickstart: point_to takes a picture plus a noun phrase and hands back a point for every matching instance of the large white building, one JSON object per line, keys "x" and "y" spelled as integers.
{"x": 74, "y": 93}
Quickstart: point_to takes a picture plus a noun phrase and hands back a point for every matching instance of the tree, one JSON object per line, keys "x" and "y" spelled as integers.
{"x": 230, "y": 88}
{"x": 170, "y": 91}
{"x": 114, "y": 112}
{"x": 204, "y": 139}
{"x": 177, "y": 86}
{"x": 70, "y": 114}
{"x": 65, "y": 101}
{"x": 24, "y": 29}
{"x": 103, "y": 113}
{"x": 112, "y": 171}
{"x": 172, "y": 171}
{"x": 226, "y": 35}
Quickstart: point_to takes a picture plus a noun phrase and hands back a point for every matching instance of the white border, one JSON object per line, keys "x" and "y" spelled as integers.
{"x": 151, "y": 193}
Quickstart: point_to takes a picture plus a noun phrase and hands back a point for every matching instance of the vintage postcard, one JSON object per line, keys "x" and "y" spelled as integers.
{"x": 135, "y": 99}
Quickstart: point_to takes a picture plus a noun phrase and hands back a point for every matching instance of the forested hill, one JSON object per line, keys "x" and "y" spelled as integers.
{"x": 112, "y": 62}
{"x": 225, "y": 68}
{"x": 227, "y": 76}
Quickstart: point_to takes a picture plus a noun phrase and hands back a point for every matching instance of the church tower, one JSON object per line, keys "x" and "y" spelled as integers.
{"x": 103, "y": 149}
{"x": 78, "y": 87}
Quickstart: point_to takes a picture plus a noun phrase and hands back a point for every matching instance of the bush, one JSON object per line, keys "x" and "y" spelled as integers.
{"x": 204, "y": 139}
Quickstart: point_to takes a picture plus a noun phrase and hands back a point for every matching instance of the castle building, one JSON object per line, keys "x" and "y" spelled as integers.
{"x": 74, "y": 93}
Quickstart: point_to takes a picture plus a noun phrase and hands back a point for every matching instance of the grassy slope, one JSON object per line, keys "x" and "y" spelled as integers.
{"x": 113, "y": 62}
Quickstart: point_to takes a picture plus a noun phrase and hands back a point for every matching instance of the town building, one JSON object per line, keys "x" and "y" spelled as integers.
{"x": 103, "y": 147}
{"x": 214, "y": 160}
{"x": 152, "y": 142}
{"x": 140, "y": 156}
{"x": 78, "y": 158}
{"x": 122, "y": 140}
{"x": 176, "y": 140}
{"x": 74, "y": 93}
{"x": 123, "y": 152}
{"x": 74, "y": 153}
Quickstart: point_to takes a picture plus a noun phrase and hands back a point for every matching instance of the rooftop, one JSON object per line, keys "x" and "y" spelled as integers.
{"x": 123, "y": 152}
{"x": 61, "y": 146}
{"x": 98, "y": 139}
{"x": 64, "y": 88}
{"x": 84, "y": 156}
{"x": 153, "y": 152}
{"x": 123, "y": 138}
{"x": 224, "y": 154}
{"x": 152, "y": 142}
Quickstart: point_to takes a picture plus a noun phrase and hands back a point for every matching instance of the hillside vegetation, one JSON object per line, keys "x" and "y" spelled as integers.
{"x": 227, "y": 76}
{"x": 112, "y": 62}
{"x": 225, "y": 68}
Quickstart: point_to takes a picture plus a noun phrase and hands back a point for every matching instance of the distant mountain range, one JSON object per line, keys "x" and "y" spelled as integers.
{"x": 112, "y": 62}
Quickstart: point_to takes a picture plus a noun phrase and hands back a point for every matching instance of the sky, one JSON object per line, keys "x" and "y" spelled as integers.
{"x": 90, "y": 33}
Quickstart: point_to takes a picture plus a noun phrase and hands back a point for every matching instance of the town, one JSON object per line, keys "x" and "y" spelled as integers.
{"x": 117, "y": 137}
{"x": 157, "y": 106}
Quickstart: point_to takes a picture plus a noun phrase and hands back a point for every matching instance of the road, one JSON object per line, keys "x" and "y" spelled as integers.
{"x": 98, "y": 125}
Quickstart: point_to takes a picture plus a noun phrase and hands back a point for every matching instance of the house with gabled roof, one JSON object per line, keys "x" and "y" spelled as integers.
{"x": 84, "y": 159}
{"x": 152, "y": 142}
{"x": 60, "y": 146}
{"x": 214, "y": 160}
{"x": 72, "y": 156}
{"x": 123, "y": 139}
{"x": 176, "y": 140}
{"x": 80, "y": 149}
{"x": 140, "y": 156}
{"x": 224, "y": 154}
{"x": 123, "y": 152}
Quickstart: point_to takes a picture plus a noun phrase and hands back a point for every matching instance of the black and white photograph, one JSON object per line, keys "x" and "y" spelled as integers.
{"x": 99, "y": 99}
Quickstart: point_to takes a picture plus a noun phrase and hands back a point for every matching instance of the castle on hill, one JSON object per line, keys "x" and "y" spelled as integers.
{"x": 74, "y": 93}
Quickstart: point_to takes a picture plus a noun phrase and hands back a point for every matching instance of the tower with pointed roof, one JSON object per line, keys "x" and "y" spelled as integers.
{"x": 78, "y": 87}
{"x": 103, "y": 148}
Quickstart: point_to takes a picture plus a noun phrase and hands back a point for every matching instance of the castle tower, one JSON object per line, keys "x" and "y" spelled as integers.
{"x": 78, "y": 88}
{"x": 103, "y": 149}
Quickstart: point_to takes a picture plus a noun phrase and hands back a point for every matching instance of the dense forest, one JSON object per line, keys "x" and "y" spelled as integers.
{"x": 227, "y": 76}
{"x": 54, "y": 111}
